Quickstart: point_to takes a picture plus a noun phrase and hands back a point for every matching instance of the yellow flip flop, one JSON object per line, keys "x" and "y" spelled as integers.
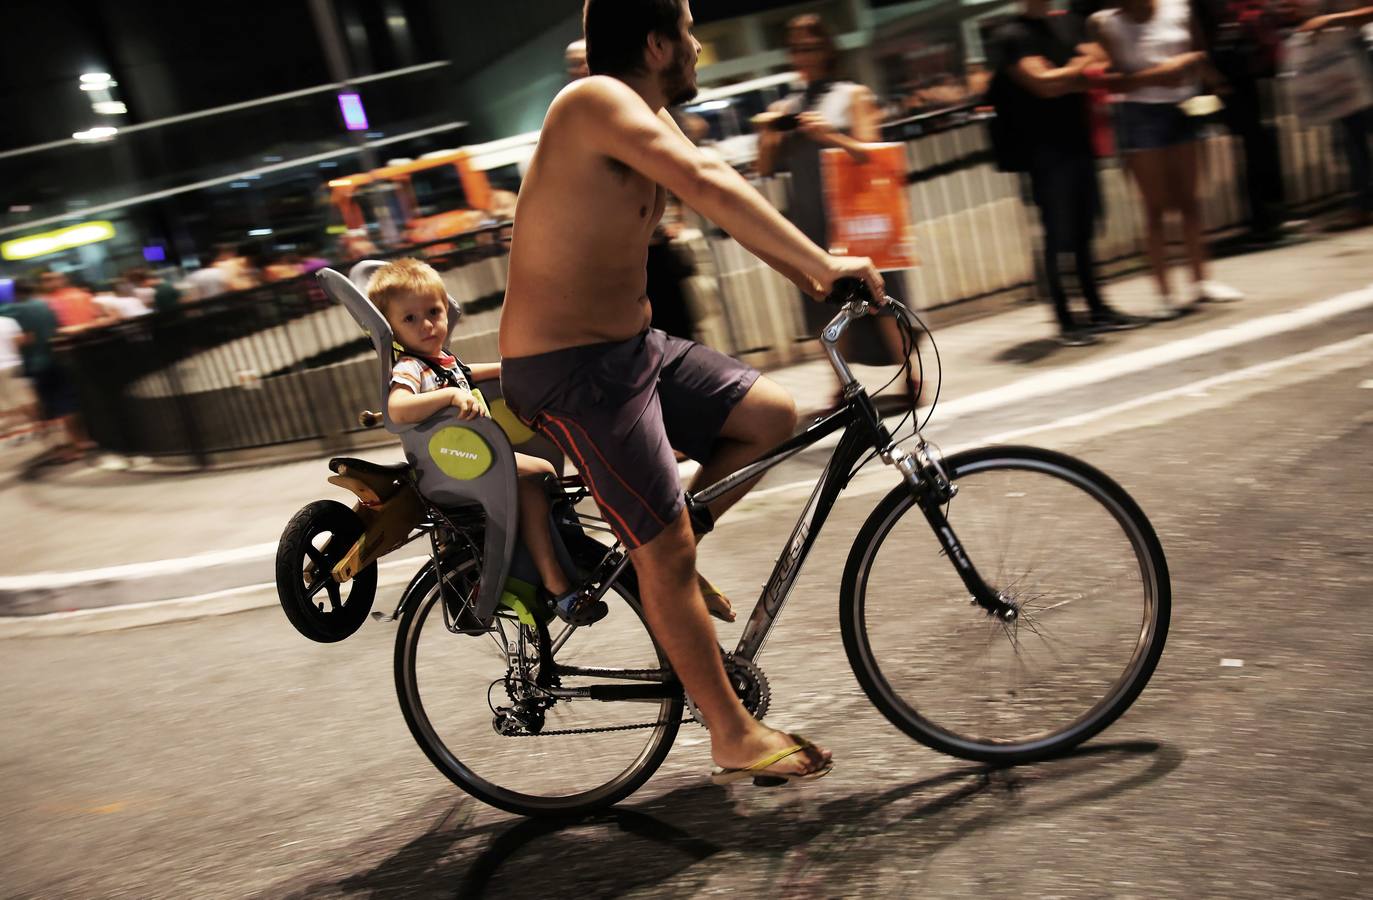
{"x": 709, "y": 590}
{"x": 764, "y": 778}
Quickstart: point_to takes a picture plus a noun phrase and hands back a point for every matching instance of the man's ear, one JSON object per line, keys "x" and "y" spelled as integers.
{"x": 657, "y": 51}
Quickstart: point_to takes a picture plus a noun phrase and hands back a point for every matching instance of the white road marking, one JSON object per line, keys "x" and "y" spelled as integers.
{"x": 1247, "y": 374}
{"x": 868, "y": 481}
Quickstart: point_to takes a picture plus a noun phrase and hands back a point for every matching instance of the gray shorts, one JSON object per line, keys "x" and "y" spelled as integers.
{"x": 618, "y": 410}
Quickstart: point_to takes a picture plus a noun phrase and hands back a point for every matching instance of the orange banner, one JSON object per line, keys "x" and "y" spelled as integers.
{"x": 868, "y": 214}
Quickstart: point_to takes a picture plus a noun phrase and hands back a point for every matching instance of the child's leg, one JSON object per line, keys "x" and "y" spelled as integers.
{"x": 534, "y": 528}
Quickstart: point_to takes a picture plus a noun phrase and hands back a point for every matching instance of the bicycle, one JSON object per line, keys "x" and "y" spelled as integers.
{"x": 1118, "y": 608}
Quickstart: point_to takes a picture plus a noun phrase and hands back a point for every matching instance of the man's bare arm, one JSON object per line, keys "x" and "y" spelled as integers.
{"x": 616, "y": 122}
{"x": 795, "y": 276}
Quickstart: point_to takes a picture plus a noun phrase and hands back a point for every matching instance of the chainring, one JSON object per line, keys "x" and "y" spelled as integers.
{"x": 750, "y": 686}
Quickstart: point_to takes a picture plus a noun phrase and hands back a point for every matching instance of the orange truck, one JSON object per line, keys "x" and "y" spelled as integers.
{"x": 439, "y": 195}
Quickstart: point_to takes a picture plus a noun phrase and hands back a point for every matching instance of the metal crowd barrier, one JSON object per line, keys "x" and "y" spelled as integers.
{"x": 282, "y": 364}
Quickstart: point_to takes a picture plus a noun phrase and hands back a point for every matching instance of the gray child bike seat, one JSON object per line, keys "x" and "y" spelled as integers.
{"x": 456, "y": 461}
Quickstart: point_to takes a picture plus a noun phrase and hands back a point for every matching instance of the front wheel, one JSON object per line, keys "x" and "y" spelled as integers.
{"x": 1062, "y": 543}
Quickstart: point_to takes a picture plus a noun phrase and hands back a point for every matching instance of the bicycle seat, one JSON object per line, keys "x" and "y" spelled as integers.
{"x": 457, "y": 462}
{"x": 364, "y": 467}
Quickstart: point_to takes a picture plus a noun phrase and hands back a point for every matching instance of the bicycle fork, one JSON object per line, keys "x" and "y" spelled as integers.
{"x": 932, "y": 490}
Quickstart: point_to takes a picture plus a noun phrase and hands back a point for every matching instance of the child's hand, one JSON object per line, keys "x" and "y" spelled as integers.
{"x": 467, "y": 405}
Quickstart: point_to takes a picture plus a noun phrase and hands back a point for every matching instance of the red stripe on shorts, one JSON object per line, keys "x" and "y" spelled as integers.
{"x": 573, "y": 450}
{"x": 646, "y": 504}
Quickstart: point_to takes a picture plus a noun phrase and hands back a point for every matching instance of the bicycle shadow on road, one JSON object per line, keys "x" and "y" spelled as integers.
{"x": 781, "y": 841}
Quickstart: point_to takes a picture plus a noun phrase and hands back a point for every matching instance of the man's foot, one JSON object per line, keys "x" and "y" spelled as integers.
{"x": 771, "y": 758}
{"x": 575, "y": 607}
{"x": 1076, "y": 336}
{"x": 1107, "y": 319}
{"x": 1216, "y": 292}
{"x": 717, "y": 604}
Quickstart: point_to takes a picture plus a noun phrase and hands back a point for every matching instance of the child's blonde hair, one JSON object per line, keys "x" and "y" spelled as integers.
{"x": 405, "y": 278}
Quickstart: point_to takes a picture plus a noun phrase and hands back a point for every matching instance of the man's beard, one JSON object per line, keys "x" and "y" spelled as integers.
{"x": 678, "y": 84}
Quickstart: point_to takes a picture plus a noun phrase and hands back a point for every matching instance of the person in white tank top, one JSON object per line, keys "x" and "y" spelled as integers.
{"x": 1157, "y": 139}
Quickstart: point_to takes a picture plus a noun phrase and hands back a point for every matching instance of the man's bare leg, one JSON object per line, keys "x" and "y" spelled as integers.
{"x": 666, "y": 569}
{"x": 764, "y": 418}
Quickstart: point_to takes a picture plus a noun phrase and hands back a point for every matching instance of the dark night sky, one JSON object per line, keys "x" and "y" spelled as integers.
{"x": 172, "y": 57}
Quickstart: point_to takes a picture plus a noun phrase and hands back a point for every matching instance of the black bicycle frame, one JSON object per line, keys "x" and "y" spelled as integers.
{"x": 863, "y": 432}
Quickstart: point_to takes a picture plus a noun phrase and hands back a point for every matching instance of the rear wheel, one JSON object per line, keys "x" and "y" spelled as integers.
{"x": 315, "y": 540}
{"x": 480, "y": 708}
{"x": 1054, "y": 537}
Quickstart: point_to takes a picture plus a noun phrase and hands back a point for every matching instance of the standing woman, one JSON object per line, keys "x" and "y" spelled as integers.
{"x": 1152, "y": 41}
{"x": 828, "y": 113}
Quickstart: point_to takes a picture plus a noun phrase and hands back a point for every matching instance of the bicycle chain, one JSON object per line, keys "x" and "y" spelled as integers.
{"x": 598, "y": 730}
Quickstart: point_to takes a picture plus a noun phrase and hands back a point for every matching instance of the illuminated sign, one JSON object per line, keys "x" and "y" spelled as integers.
{"x": 354, "y": 118}
{"x": 55, "y": 241}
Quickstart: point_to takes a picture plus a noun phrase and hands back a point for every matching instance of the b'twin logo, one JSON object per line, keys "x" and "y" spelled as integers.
{"x": 461, "y": 454}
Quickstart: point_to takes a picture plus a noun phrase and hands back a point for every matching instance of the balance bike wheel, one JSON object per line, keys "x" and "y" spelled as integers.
{"x": 314, "y": 541}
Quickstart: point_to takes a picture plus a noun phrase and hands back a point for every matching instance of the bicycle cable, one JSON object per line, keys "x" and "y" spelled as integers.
{"x": 910, "y": 343}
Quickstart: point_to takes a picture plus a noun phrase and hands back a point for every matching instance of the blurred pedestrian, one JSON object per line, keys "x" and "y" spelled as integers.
{"x": 1042, "y": 127}
{"x": 56, "y": 397}
{"x": 17, "y": 410}
{"x": 166, "y": 296}
{"x": 283, "y": 267}
{"x": 205, "y": 282}
{"x": 827, "y": 113}
{"x": 1243, "y": 41}
{"x": 238, "y": 272}
{"x": 74, "y": 306}
{"x": 119, "y": 301}
{"x": 1357, "y": 127}
{"x": 1159, "y": 141}
{"x": 575, "y": 57}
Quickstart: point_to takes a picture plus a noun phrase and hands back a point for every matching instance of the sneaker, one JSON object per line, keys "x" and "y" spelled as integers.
{"x": 1216, "y": 292}
{"x": 1108, "y": 319}
{"x": 1168, "y": 312}
{"x": 575, "y": 607}
{"x": 1077, "y": 337}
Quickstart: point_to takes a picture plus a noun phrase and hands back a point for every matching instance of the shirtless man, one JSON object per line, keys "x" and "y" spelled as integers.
{"x": 581, "y": 364}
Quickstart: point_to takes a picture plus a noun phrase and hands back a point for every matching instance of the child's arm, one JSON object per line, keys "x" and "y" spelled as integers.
{"x": 407, "y": 407}
{"x": 485, "y": 371}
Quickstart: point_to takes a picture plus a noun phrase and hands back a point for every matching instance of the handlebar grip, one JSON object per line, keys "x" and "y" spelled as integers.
{"x": 846, "y": 289}
{"x": 369, "y": 419}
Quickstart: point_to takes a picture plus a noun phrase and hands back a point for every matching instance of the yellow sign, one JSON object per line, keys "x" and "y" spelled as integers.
{"x": 54, "y": 241}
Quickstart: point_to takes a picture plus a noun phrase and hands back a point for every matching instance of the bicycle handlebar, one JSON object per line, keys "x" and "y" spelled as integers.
{"x": 846, "y": 289}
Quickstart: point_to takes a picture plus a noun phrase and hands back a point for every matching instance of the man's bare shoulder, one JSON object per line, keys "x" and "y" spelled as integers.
{"x": 596, "y": 96}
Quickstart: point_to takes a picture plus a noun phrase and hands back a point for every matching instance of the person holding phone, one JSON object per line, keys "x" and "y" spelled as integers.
{"x": 829, "y": 112}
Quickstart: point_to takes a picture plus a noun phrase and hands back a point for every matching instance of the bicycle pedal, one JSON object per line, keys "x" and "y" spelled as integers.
{"x": 379, "y": 616}
{"x": 768, "y": 781}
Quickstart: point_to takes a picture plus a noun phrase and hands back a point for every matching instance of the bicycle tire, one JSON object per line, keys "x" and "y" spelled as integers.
{"x": 961, "y": 468}
{"x": 346, "y": 612}
{"x": 420, "y": 599}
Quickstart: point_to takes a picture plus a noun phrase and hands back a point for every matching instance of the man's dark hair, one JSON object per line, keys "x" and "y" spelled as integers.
{"x": 617, "y": 32}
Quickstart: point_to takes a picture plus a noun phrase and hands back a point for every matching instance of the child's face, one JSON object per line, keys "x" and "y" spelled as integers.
{"x": 419, "y": 323}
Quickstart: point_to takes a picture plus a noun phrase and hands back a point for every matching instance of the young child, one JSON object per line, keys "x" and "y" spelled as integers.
{"x": 426, "y": 379}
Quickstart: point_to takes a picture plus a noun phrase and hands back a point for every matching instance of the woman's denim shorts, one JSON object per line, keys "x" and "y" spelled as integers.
{"x": 1149, "y": 126}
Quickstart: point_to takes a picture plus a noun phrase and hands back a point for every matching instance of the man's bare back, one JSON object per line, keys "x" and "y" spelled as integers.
{"x": 582, "y": 227}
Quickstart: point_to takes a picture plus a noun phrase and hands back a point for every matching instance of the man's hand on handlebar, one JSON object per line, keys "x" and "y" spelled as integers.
{"x": 858, "y": 268}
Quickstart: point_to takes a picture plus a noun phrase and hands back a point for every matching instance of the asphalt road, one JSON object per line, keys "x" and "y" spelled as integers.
{"x": 227, "y": 756}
